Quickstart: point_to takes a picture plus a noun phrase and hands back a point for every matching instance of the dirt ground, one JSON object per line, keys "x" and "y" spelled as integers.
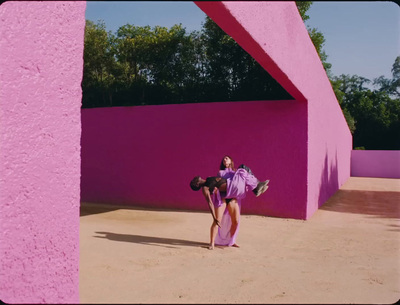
{"x": 347, "y": 252}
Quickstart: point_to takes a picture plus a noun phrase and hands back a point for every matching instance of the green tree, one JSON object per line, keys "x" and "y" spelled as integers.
{"x": 303, "y": 7}
{"x": 390, "y": 86}
{"x": 232, "y": 74}
{"x": 99, "y": 63}
{"x": 373, "y": 116}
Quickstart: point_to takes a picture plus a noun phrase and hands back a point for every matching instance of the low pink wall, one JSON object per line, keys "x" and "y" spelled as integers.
{"x": 375, "y": 163}
{"x": 41, "y": 61}
{"x": 147, "y": 155}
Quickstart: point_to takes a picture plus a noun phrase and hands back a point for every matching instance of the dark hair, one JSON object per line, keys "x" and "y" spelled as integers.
{"x": 195, "y": 183}
{"x": 222, "y": 166}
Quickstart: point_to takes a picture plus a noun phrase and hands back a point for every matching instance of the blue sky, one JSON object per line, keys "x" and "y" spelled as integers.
{"x": 362, "y": 38}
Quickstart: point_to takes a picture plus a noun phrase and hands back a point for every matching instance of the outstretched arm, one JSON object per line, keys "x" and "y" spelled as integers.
{"x": 206, "y": 193}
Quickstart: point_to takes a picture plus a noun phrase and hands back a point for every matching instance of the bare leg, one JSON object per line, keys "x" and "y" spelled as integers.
{"x": 234, "y": 212}
{"x": 219, "y": 212}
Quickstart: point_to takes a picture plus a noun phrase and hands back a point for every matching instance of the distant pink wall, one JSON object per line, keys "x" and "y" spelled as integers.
{"x": 147, "y": 155}
{"x": 375, "y": 163}
{"x": 275, "y": 35}
{"x": 41, "y": 47}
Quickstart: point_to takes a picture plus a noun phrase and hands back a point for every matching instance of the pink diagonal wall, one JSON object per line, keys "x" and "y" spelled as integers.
{"x": 275, "y": 35}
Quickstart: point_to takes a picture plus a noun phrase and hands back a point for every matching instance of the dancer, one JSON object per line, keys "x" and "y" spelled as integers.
{"x": 229, "y": 208}
{"x": 233, "y": 187}
{"x": 227, "y": 233}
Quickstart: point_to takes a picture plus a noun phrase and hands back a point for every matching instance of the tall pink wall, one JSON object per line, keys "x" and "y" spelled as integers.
{"x": 147, "y": 155}
{"x": 375, "y": 163}
{"x": 275, "y": 35}
{"x": 41, "y": 47}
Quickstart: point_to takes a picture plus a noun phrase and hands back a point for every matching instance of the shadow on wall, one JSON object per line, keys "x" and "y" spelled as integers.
{"x": 329, "y": 181}
{"x": 375, "y": 203}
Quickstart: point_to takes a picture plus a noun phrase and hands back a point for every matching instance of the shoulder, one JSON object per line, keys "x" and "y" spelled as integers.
{"x": 226, "y": 173}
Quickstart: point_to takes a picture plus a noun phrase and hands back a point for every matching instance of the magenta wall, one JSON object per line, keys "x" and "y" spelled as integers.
{"x": 281, "y": 44}
{"x": 147, "y": 155}
{"x": 375, "y": 163}
{"x": 41, "y": 47}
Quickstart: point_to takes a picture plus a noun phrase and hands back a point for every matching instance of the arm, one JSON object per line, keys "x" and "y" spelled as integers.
{"x": 206, "y": 193}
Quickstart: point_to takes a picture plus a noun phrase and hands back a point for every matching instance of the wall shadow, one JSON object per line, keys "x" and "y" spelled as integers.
{"x": 90, "y": 209}
{"x": 384, "y": 204}
{"x": 381, "y": 204}
{"x": 150, "y": 240}
{"x": 87, "y": 208}
{"x": 329, "y": 182}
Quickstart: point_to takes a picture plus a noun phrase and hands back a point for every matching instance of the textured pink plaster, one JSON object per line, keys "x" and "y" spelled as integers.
{"x": 147, "y": 155}
{"x": 375, "y": 163}
{"x": 275, "y": 35}
{"x": 41, "y": 47}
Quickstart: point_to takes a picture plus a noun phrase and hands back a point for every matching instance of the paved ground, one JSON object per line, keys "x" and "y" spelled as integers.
{"x": 348, "y": 252}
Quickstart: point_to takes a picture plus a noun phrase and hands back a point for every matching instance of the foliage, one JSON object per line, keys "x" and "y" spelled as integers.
{"x": 303, "y": 7}
{"x": 148, "y": 66}
{"x": 390, "y": 86}
{"x": 373, "y": 115}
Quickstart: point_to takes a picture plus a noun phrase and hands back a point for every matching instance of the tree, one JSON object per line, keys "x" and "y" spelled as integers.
{"x": 390, "y": 86}
{"x": 232, "y": 74}
{"x": 99, "y": 63}
{"x": 372, "y": 115}
{"x": 303, "y": 7}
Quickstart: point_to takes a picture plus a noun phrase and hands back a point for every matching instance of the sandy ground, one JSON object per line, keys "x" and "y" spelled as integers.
{"x": 347, "y": 252}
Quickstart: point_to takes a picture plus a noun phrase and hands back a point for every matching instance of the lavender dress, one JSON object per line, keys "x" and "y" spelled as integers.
{"x": 237, "y": 184}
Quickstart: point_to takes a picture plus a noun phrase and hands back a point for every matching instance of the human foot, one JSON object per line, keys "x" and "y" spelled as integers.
{"x": 210, "y": 247}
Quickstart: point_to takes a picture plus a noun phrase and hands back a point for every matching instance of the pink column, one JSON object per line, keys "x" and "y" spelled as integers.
{"x": 41, "y": 62}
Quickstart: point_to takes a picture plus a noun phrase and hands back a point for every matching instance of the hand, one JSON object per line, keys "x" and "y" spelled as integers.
{"x": 217, "y": 222}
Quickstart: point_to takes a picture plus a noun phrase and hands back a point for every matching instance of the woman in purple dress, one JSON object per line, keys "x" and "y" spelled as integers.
{"x": 229, "y": 208}
{"x": 234, "y": 186}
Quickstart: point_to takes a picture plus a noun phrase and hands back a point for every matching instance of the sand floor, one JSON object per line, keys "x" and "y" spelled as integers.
{"x": 347, "y": 252}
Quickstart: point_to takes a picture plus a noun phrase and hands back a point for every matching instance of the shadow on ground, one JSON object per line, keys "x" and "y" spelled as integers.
{"x": 88, "y": 208}
{"x": 375, "y": 203}
{"x": 150, "y": 240}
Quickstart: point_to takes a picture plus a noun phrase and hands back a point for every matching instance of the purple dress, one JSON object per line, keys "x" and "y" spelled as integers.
{"x": 237, "y": 184}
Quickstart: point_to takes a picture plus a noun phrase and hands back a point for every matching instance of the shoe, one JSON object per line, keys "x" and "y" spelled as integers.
{"x": 261, "y": 188}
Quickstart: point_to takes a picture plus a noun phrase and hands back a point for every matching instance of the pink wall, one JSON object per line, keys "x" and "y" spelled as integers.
{"x": 147, "y": 155}
{"x": 41, "y": 47}
{"x": 281, "y": 44}
{"x": 375, "y": 163}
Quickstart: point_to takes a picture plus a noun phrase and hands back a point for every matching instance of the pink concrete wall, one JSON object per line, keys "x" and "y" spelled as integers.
{"x": 275, "y": 35}
{"x": 147, "y": 155}
{"x": 41, "y": 61}
{"x": 375, "y": 163}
